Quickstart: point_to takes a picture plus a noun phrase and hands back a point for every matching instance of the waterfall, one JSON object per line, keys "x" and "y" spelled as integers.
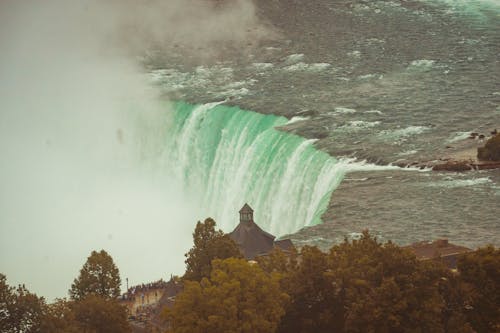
{"x": 228, "y": 156}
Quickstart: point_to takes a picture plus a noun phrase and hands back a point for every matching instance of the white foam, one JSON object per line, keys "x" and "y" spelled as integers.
{"x": 343, "y": 110}
{"x": 293, "y": 58}
{"x": 354, "y": 165}
{"x": 354, "y": 54}
{"x": 319, "y": 66}
{"x": 272, "y": 48}
{"x": 172, "y": 79}
{"x": 422, "y": 64}
{"x": 355, "y": 235}
{"x": 359, "y": 125}
{"x": 370, "y": 76}
{"x": 455, "y": 183}
{"x": 458, "y": 136}
{"x": 217, "y": 80}
{"x": 302, "y": 66}
{"x": 233, "y": 93}
{"x": 296, "y": 119}
{"x": 263, "y": 65}
{"x": 408, "y": 152}
{"x": 404, "y": 132}
{"x": 214, "y": 70}
{"x": 375, "y": 111}
{"x": 356, "y": 179}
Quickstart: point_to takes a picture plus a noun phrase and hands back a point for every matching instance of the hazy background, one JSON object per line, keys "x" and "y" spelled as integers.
{"x": 80, "y": 129}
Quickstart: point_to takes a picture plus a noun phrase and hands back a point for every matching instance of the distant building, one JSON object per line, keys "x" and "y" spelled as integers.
{"x": 252, "y": 240}
{"x": 439, "y": 249}
{"x": 144, "y": 303}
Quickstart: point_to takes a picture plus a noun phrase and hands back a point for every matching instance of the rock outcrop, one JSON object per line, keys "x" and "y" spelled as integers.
{"x": 491, "y": 150}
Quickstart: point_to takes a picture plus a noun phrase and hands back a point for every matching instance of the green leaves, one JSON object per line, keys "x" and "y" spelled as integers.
{"x": 480, "y": 272}
{"x": 20, "y": 310}
{"x": 101, "y": 315}
{"x": 209, "y": 244}
{"x": 238, "y": 297}
{"x": 366, "y": 286}
{"x": 98, "y": 276}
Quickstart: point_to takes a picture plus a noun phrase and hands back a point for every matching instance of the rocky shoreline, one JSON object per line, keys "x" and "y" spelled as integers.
{"x": 459, "y": 157}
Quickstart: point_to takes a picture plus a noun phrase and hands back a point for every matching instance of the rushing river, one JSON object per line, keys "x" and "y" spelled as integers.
{"x": 382, "y": 81}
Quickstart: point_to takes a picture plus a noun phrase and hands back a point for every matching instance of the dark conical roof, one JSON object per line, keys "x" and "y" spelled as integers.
{"x": 252, "y": 240}
{"x": 246, "y": 209}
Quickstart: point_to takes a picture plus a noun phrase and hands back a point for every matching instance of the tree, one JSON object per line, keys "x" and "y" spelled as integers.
{"x": 480, "y": 272}
{"x": 92, "y": 314}
{"x": 366, "y": 286}
{"x": 312, "y": 307}
{"x": 99, "y": 276}
{"x": 384, "y": 288}
{"x": 20, "y": 310}
{"x": 238, "y": 297}
{"x": 209, "y": 244}
{"x": 59, "y": 318}
{"x": 278, "y": 261}
{"x": 456, "y": 297}
{"x": 97, "y": 314}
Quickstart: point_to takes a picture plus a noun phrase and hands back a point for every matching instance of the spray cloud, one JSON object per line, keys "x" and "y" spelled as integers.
{"x": 79, "y": 123}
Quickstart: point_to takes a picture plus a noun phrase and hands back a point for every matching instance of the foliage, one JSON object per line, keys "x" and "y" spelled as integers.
{"x": 209, "y": 244}
{"x": 480, "y": 272}
{"x": 278, "y": 261}
{"x": 366, "y": 286}
{"x": 313, "y": 306}
{"x": 491, "y": 150}
{"x": 97, "y": 314}
{"x": 59, "y": 318}
{"x": 358, "y": 286}
{"x": 456, "y": 299}
{"x": 92, "y": 314}
{"x": 384, "y": 288}
{"x": 99, "y": 276}
{"x": 20, "y": 310}
{"x": 238, "y": 297}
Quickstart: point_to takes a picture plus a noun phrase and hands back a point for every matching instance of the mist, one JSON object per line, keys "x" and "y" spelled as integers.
{"x": 81, "y": 135}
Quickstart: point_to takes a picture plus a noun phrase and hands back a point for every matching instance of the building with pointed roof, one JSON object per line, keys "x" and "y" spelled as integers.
{"x": 252, "y": 240}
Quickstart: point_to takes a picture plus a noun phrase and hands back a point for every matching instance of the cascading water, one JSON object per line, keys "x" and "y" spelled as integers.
{"x": 229, "y": 156}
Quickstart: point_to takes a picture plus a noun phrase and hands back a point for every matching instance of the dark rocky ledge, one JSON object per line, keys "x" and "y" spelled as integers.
{"x": 459, "y": 157}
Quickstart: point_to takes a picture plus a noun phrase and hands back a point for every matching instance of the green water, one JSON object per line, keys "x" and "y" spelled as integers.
{"x": 226, "y": 156}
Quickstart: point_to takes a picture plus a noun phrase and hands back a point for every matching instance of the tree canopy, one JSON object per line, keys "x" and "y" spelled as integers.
{"x": 59, "y": 318}
{"x": 366, "y": 286}
{"x": 358, "y": 286}
{"x": 94, "y": 309}
{"x": 99, "y": 276}
{"x": 209, "y": 244}
{"x": 480, "y": 272}
{"x": 239, "y": 297}
{"x": 20, "y": 310}
{"x": 97, "y": 314}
